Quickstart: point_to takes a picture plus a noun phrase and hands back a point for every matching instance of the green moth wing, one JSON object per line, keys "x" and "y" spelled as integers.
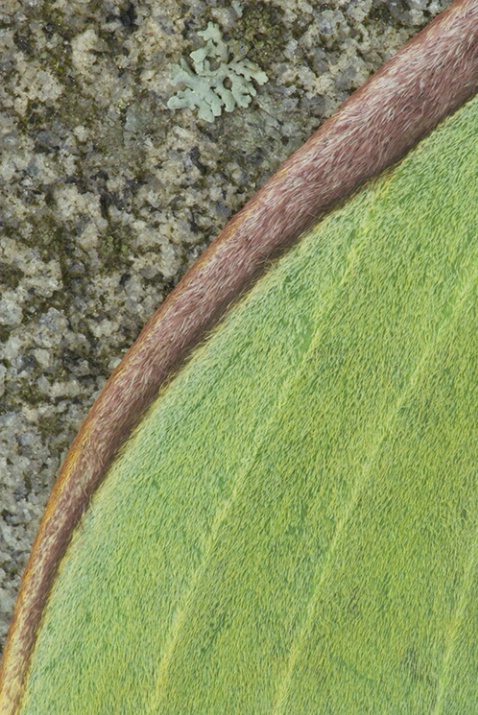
{"x": 290, "y": 525}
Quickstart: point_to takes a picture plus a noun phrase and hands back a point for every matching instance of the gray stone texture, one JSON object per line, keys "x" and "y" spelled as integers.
{"x": 107, "y": 196}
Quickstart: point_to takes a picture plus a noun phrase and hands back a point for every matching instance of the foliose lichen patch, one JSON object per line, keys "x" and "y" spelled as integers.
{"x": 218, "y": 81}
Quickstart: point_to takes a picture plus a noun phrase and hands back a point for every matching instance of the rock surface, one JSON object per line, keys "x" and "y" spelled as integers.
{"x": 107, "y": 196}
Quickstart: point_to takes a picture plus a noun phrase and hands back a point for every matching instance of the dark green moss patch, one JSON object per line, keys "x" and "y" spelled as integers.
{"x": 10, "y": 275}
{"x": 260, "y": 32}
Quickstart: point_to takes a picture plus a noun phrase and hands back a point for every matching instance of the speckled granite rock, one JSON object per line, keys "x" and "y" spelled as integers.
{"x": 107, "y": 196}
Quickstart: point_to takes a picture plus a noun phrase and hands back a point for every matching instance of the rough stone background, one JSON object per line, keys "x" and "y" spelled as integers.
{"x": 107, "y": 196}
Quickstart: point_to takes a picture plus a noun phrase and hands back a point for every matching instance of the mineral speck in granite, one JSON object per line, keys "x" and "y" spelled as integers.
{"x": 107, "y": 196}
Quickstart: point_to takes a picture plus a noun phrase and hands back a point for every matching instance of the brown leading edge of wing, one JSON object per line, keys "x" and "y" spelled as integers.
{"x": 429, "y": 79}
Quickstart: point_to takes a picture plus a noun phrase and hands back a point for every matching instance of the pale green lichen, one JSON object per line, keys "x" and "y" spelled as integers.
{"x": 218, "y": 80}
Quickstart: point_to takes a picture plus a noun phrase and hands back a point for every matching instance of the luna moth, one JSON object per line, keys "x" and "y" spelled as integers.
{"x": 272, "y": 507}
